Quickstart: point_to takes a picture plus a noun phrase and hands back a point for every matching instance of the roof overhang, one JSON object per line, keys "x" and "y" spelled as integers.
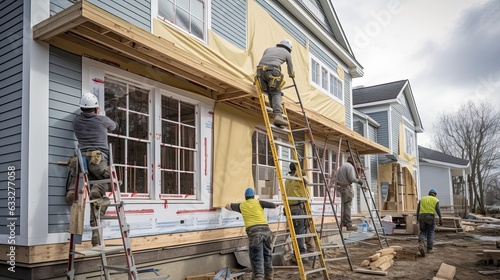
{"x": 355, "y": 69}
{"x": 84, "y": 24}
{"x": 430, "y": 162}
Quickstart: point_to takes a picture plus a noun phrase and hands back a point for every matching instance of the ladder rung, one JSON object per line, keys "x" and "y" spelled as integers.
{"x": 335, "y": 259}
{"x": 316, "y": 270}
{"x": 330, "y": 229}
{"x": 284, "y": 144}
{"x": 288, "y": 160}
{"x": 311, "y": 254}
{"x": 103, "y": 181}
{"x": 310, "y": 169}
{"x": 296, "y": 198}
{"x": 281, "y": 234}
{"x": 331, "y": 246}
{"x": 280, "y": 129}
{"x": 305, "y": 235}
{"x": 300, "y": 129}
{"x": 98, "y": 250}
{"x": 292, "y": 177}
{"x": 298, "y": 217}
{"x": 281, "y": 244}
{"x": 117, "y": 267}
{"x": 92, "y": 228}
{"x": 106, "y": 217}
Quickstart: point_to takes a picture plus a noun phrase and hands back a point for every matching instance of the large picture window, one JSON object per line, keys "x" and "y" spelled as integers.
{"x": 326, "y": 79}
{"x": 129, "y": 106}
{"x": 178, "y": 147}
{"x": 188, "y": 15}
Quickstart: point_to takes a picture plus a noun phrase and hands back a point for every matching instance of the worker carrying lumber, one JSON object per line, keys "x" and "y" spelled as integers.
{"x": 293, "y": 189}
{"x": 259, "y": 234}
{"x": 346, "y": 176}
{"x": 91, "y": 130}
{"x": 426, "y": 209}
{"x": 271, "y": 78}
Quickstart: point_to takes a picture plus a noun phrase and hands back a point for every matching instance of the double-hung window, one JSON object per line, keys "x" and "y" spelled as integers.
{"x": 326, "y": 79}
{"x": 189, "y": 15}
{"x": 409, "y": 142}
{"x": 263, "y": 166}
{"x": 128, "y": 105}
{"x": 327, "y": 157}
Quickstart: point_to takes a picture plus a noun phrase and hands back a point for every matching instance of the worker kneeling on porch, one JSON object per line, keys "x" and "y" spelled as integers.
{"x": 259, "y": 234}
{"x": 91, "y": 131}
{"x": 271, "y": 79}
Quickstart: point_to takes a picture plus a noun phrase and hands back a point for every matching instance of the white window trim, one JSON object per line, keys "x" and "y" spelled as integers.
{"x": 155, "y": 88}
{"x": 330, "y": 72}
{"x": 206, "y": 27}
{"x": 413, "y": 152}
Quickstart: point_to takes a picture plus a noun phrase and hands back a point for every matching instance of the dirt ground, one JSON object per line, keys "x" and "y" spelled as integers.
{"x": 456, "y": 249}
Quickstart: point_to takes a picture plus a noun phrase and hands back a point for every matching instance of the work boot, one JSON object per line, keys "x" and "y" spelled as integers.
{"x": 352, "y": 227}
{"x": 70, "y": 196}
{"x": 430, "y": 250}
{"x": 279, "y": 121}
{"x": 421, "y": 249}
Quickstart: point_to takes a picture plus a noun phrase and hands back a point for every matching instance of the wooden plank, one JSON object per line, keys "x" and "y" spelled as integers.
{"x": 374, "y": 257}
{"x": 381, "y": 260}
{"x": 374, "y": 272}
{"x": 365, "y": 263}
{"x": 386, "y": 265}
{"x": 386, "y": 251}
{"x": 446, "y": 271}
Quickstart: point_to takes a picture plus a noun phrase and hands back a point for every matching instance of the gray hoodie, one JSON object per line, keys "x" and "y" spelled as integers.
{"x": 91, "y": 130}
{"x": 276, "y": 56}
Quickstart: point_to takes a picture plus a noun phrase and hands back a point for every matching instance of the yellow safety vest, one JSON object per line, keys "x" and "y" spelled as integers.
{"x": 428, "y": 204}
{"x": 253, "y": 213}
{"x": 293, "y": 188}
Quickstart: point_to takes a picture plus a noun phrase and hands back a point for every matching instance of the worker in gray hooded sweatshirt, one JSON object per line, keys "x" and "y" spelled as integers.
{"x": 346, "y": 176}
{"x": 271, "y": 79}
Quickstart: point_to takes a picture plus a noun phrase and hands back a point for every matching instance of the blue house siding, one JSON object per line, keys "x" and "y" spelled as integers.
{"x": 65, "y": 82}
{"x": 229, "y": 20}
{"x": 280, "y": 18}
{"x": 11, "y": 71}
{"x": 347, "y": 99}
{"x": 382, "y": 132}
{"x": 324, "y": 57}
{"x": 137, "y": 12}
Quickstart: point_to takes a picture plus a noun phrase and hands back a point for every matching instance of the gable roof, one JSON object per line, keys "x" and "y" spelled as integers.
{"x": 376, "y": 93}
{"x": 426, "y": 154}
{"x": 387, "y": 94}
{"x": 329, "y": 31}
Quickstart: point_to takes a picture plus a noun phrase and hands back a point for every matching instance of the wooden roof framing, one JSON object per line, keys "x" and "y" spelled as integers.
{"x": 86, "y": 24}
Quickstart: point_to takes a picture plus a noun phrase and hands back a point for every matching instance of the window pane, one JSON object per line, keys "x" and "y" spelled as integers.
{"x": 197, "y": 27}
{"x": 188, "y": 137}
{"x": 138, "y": 100}
{"x": 169, "y": 109}
{"x": 187, "y": 183}
{"x": 166, "y": 10}
{"x": 169, "y": 182}
{"x": 197, "y": 9}
{"x": 138, "y": 126}
{"x": 119, "y": 116}
{"x": 137, "y": 153}
{"x": 186, "y": 160}
{"x": 168, "y": 158}
{"x": 118, "y": 145}
{"x": 170, "y": 134}
{"x": 187, "y": 113}
{"x": 183, "y": 4}
{"x": 136, "y": 178}
{"x": 182, "y": 19}
{"x": 324, "y": 78}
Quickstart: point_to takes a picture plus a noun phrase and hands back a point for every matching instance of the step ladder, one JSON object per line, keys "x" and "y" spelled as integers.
{"x": 278, "y": 161}
{"x": 329, "y": 199}
{"x": 370, "y": 202}
{"x": 82, "y": 193}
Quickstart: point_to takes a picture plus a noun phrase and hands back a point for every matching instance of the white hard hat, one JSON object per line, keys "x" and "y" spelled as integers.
{"x": 285, "y": 43}
{"x": 89, "y": 101}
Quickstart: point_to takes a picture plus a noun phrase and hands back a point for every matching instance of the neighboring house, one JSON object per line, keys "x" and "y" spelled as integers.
{"x": 392, "y": 108}
{"x": 178, "y": 80}
{"x": 448, "y": 175}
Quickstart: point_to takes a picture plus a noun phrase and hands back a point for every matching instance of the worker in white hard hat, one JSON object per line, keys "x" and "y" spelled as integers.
{"x": 91, "y": 130}
{"x": 427, "y": 207}
{"x": 271, "y": 78}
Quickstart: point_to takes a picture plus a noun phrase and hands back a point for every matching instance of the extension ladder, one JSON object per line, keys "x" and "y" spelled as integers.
{"x": 271, "y": 129}
{"x": 82, "y": 192}
{"x": 370, "y": 202}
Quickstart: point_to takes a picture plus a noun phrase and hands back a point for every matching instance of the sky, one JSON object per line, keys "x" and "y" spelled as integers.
{"x": 449, "y": 50}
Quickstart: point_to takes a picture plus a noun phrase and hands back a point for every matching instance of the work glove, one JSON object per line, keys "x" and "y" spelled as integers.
{"x": 292, "y": 75}
{"x": 360, "y": 183}
{"x": 440, "y": 222}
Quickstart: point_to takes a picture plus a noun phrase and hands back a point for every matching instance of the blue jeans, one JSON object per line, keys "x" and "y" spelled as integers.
{"x": 427, "y": 225}
{"x": 260, "y": 252}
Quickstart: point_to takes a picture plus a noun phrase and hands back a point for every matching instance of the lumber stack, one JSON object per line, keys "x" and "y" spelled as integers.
{"x": 381, "y": 260}
{"x": 490, "y": 256}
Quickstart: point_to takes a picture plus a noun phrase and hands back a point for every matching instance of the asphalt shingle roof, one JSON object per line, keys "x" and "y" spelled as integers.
{"x": 426, "y": 153}
{"x": 377, "y": 93}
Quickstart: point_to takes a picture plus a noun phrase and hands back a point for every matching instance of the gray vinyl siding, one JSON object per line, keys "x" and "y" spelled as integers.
{"x": 382, "y": 132}
{"x": 137, "y": 12}
{"x": 396, "y": 119}
{"x": 403, "y": 109}
{"x": 325, "y": 58}
{"x": 229, "y": 20}
{"x": 65, "y": 82}
{"x": 11, "y": 71}
{"x": 323, "y": 22}
{"x": 347, "y": 99}
{"x": 282, "y": 18}
{"x": 358, "y": 126}
{"x": 438, "y": 178}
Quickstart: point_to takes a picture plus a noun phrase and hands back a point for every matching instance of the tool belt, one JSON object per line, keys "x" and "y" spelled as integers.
{"x": 268, "y": 68}
{"x": 95, "y": 158}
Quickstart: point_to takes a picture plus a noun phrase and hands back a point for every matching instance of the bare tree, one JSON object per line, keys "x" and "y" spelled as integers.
{"x": 472, "y": 133}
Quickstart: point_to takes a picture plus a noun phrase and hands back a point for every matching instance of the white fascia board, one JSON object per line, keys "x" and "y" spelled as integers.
{"x": 443, "y": 164}
{"x": 355, "y": 69}
{"x": 365, "y": 117}
{"x": 332, "y": 17}
{"x": 413, "y": 106}
{"x": 375, "y": 109}
{"x": 376, "y": 103}
{"x": 34, "y": 202}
